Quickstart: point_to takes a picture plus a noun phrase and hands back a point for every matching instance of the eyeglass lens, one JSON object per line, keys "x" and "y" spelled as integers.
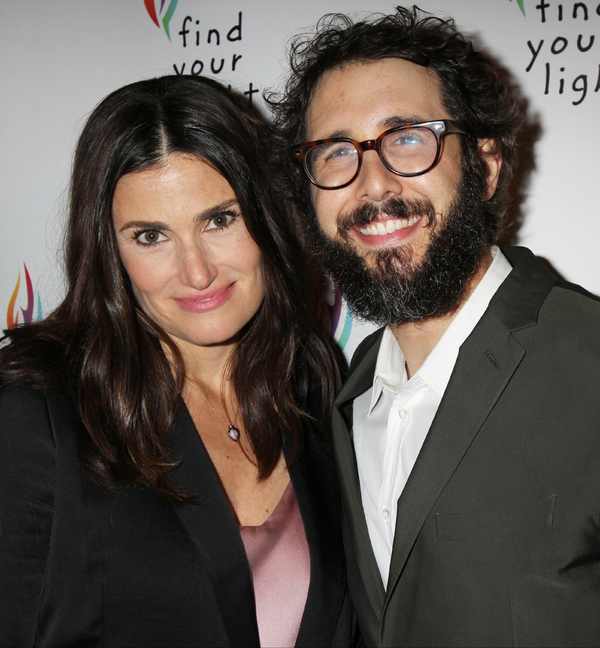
{"x": 408, "y": 151}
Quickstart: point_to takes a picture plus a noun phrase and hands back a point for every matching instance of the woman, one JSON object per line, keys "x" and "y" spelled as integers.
{"x": 162, "y": 480}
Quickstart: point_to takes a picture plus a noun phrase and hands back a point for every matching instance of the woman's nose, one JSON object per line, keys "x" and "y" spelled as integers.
{"x": 196, "y": 267}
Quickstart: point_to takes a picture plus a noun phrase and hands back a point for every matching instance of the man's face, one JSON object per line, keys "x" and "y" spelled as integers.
{"x": 385, "y": 226}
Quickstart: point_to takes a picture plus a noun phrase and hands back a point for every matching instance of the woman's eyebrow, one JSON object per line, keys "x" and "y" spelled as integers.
{"x": 144, "y": 225}
{"x": 204, "y": 215}
{"x": 207, "y": 214}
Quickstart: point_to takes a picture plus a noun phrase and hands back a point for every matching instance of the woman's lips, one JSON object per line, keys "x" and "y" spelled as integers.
{"x": 207, "y": 300}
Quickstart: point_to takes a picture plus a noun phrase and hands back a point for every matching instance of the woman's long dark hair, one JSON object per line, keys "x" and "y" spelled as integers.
{"x": 102, "y": 348}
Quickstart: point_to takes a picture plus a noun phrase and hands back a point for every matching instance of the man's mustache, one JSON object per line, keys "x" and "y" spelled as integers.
{"x": 393, "y": 208}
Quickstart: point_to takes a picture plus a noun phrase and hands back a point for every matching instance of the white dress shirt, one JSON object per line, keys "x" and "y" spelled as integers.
{"x": 392, "y": 419}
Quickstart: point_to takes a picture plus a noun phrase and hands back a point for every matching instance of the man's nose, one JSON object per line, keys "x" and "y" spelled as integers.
{"x": 375, "y": 182}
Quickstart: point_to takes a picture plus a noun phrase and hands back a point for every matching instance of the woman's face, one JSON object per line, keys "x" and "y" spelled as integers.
{"x": 194, "y": 268}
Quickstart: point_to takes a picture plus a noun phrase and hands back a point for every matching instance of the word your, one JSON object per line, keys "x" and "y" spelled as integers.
{"x": 197, "y": 66}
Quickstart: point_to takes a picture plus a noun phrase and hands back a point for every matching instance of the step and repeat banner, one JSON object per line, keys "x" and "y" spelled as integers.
{"x": 60, "y": 58}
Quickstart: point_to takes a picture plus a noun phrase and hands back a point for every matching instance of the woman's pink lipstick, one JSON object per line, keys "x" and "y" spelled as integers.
{"x": 206, "y": 300}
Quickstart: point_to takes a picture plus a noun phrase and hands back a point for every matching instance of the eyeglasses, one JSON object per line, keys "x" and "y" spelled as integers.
{"x": 407, "y": 151}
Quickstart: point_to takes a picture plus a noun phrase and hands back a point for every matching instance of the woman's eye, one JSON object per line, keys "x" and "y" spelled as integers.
{"x": 221, "y": 221}
{"x": 149, "y": 237}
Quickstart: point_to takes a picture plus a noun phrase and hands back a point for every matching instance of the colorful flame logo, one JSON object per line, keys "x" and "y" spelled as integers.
{"x": 166, "y": 18}
{"x": 521, "y": 4}
{"x": 12, "y": 318}
{"x": 340, "y": 326}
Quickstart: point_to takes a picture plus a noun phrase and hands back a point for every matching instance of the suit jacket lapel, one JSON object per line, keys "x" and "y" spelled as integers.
{"x": 359, "y": 381}
{"x": 316, "y": 492}
{"x": 464, "y": 408}
{"x": 485, "y": 365}
{"x": 210, "y": 523}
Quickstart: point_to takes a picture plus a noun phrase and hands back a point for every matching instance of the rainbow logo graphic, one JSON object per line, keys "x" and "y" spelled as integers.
{"x": 12, "y": 318}
{"x": 521, "y": 4}
{"x": 166, "y": 16}
{"x": 341, "y": 320}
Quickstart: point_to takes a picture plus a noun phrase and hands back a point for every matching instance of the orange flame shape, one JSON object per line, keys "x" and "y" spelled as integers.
{"x": 12, "y": 320}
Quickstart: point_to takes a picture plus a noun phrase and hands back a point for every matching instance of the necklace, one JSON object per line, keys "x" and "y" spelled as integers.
{"x": 232, "y": 432}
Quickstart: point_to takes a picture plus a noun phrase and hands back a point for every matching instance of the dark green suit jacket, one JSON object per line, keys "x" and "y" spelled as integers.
{"x": 497, "y": 541}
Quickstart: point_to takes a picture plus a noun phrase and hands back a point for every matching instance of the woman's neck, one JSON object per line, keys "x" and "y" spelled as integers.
{"x": 207, "y": 366}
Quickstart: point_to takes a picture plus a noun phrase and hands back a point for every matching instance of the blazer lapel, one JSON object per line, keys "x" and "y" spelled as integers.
{"x": 359, "y": 381}
{"x": 492, "y": 355}
{"x": 316, "y": 492}
{"x": 210, "y": 523}
{"x": 485, "y": 365}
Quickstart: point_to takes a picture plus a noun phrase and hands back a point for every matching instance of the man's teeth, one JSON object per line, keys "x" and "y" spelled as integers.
{"x": 381, "y": 228}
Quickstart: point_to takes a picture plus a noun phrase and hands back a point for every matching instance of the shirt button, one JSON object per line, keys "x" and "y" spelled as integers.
{"x": 402, "y": 414}
{"x": 385, "y": 514}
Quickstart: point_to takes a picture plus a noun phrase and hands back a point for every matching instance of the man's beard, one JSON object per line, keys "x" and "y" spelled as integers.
{"x": 390, "y": 286}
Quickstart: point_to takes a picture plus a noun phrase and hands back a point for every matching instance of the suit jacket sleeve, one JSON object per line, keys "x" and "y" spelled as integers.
{"x": 26, "y": 511}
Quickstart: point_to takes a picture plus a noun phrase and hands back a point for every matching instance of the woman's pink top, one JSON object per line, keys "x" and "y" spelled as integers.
{"x": 280, "y": 563}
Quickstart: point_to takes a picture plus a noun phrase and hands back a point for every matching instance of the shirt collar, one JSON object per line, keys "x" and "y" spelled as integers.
{"x": 390, "y": 370}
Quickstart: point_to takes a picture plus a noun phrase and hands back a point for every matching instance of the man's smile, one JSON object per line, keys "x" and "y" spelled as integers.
{"x": 388, "y": 226}
{"x": 387, "y": 230}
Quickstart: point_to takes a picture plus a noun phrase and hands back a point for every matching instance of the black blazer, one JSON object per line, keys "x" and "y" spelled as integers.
{"x": 497, "y": 540}
{"x": 84, "y": 565}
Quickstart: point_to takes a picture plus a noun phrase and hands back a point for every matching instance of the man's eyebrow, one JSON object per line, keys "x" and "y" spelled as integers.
{"x": 395, "y": 121}
{"x": 207, "y": 214}
{"x": 336, "y": 134}
{"x": 389, "y": 122}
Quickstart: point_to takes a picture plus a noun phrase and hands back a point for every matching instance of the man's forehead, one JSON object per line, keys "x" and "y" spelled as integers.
{"x": 374, "y": 95}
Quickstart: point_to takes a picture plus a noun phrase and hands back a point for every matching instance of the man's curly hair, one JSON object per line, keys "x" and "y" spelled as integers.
{"x": 472, "y": 91}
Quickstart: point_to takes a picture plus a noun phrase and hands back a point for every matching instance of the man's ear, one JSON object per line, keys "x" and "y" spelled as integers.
{"x": 491, "y": 155}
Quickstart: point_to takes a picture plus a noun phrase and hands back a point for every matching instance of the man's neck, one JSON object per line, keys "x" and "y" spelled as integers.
{"x": 418, "y": 339}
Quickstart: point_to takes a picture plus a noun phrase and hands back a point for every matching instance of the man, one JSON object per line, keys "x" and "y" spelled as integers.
{"x": 467, "y": 435}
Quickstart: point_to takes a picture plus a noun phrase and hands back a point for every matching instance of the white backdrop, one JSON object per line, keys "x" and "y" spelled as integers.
{"x": 60, "y": 58}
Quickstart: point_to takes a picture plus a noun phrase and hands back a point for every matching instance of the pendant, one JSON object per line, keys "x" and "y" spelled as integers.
{"x": 234, "y": 433}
